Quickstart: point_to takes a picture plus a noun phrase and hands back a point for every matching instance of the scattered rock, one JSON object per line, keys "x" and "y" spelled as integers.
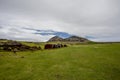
{"x": 22, "y": 57}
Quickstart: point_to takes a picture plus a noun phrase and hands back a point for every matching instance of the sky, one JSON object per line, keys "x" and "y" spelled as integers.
{"x": 97, "y": 19}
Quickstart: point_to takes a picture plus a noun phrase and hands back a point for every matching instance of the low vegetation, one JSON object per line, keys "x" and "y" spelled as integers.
{"x": 76, "y": 62}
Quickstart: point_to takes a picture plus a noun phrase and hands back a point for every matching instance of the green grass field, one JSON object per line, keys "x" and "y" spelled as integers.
{"x": 76, "y": 62}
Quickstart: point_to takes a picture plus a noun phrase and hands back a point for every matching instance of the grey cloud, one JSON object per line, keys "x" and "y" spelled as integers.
{"x": 80, "y": 17}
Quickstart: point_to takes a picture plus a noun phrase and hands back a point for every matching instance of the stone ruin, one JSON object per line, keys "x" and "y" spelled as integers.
{"x": 14, "y": 45}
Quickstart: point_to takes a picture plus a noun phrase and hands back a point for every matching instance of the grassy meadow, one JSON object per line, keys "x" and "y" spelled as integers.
{"x": 76, "y": 62}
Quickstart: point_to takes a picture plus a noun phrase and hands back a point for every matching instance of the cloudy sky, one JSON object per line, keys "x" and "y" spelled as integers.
{"x": 98, "y": 19}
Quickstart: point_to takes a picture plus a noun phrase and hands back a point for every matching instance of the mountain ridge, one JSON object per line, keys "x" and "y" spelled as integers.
{"x": 69, "y": 39}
